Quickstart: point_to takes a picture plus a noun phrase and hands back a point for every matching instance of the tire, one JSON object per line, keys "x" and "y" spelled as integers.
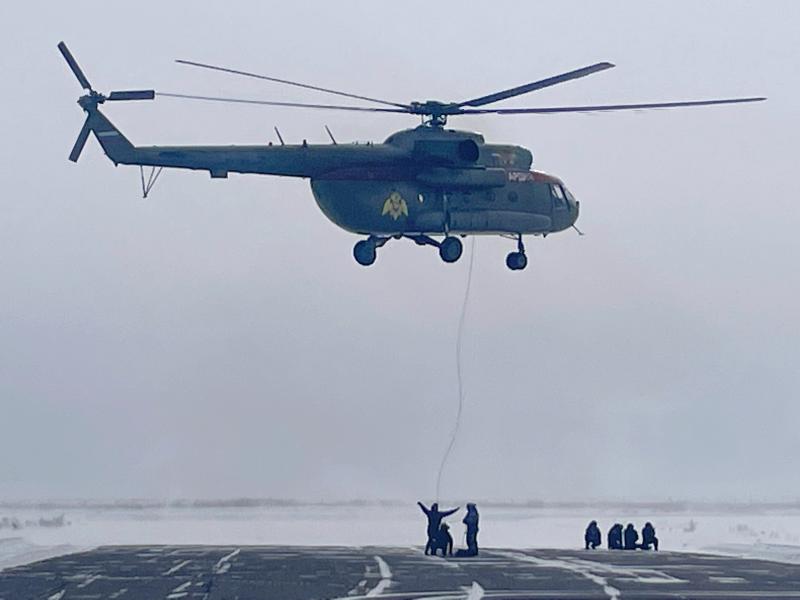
{"x": 516, "y": 261}
{"x": 450, "y": 249}
{"x": 364, "y": 253}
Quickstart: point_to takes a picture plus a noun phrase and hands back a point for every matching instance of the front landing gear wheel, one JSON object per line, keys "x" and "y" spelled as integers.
{"x": 364, "y": 252}
{"x": 450, "y": 249}
{"x": 516, "y": 261}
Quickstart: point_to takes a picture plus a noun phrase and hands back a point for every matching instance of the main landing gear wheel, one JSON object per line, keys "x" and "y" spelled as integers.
{"x": 516, "y": 261}
{"x": 365, "y": 252}
{"x": 450, "y": 249}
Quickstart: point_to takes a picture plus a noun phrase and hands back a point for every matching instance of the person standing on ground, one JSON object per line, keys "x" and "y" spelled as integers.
{"x": 434, "y": 522}
{"x": 471, "y": 521}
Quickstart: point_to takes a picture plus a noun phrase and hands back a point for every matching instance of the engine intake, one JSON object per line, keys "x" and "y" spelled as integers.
{"x": 465, "y": 152}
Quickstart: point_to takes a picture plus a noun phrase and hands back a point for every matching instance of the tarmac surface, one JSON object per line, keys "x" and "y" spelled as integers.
{"x": 305, "y": 573}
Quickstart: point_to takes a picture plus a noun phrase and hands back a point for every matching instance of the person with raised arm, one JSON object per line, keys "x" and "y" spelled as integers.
{"x": 434, "y": 522}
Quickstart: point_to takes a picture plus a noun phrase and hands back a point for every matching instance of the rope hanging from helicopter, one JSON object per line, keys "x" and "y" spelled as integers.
{"x": 459, "y": 375}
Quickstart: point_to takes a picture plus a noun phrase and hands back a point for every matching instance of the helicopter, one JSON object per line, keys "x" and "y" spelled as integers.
{"x": 428, "y": 184}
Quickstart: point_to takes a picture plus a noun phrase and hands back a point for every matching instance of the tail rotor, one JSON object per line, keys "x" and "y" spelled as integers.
{"x": 90, "y": 101}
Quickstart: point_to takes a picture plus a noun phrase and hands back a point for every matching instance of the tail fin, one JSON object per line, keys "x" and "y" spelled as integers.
{"x": 115, "y": 145}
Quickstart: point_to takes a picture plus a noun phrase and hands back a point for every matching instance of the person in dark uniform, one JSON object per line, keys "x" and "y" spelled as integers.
{"x": 443, "y": 541}
{"x": 592, "y": 536}
{"x": 649, "y": 537}
{"x": 631, "y": 537}
{"x": 434, "y": 522}
{"x": 471, "y": 521}
{"x": 615, "y": 537}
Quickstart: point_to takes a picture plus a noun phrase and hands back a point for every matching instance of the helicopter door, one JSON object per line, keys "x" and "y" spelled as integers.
{"x": 559, "y": 198}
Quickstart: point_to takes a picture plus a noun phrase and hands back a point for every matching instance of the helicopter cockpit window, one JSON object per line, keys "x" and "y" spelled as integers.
{"x": 559, "y": 200}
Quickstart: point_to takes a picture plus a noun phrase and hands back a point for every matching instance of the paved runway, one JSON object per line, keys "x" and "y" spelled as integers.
{"x": 305, "y": 573}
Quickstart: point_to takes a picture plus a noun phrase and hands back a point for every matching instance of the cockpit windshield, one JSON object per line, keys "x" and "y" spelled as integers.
{"x": 559, "y": 199}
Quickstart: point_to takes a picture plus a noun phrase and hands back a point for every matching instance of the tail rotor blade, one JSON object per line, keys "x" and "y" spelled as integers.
{"x": 80, "y": 142}
{"x": 132, "y": 95}
{"x": 73, "y": 64}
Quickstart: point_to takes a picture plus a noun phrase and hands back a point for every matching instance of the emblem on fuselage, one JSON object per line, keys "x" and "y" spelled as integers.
{"x": 395, "y": 206}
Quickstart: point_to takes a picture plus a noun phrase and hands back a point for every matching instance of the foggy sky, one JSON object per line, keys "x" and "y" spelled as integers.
{"x": 218, "y": 340}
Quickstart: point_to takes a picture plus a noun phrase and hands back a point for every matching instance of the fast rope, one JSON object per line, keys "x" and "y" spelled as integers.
{"x": 459, "y": 338}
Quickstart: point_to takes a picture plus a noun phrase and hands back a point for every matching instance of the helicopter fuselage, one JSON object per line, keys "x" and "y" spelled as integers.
{"x": 421, "y": 181}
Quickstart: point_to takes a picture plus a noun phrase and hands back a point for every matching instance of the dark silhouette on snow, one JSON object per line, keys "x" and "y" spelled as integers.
{"x": 471, "y": 521}
{"x": 592, "y": 536}
{"x": 615, "y": 537}
{"x": 434, "y": 522}
{"x": 443, "y": 541}
{"x": 649, "y": 537}
{"x": 631, "y": 537}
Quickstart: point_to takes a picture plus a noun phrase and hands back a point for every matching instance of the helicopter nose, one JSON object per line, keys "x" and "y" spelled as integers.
{"x": 574, "y": 211}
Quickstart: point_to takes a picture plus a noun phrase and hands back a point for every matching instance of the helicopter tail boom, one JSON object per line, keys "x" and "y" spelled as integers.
{"x": 289, "y": 160}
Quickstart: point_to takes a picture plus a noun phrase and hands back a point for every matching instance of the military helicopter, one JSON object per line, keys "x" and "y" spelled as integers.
{"x": 423, "y": 183}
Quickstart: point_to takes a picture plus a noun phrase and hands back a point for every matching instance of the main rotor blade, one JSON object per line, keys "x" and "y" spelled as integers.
{"x": 606, "y": 107}
{"x": 132, "y": 95}
{"x": 289, "y": 104}
{"x": 287, "y": 82}
{"x": 80, "y": 142}
{"x": 537, "y": 85}
{"x": 73, "y": 64}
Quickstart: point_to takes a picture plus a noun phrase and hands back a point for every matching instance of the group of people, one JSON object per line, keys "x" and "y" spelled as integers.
{"x": 439, "y": 537}
{"x": 619, "y": 539}
{"x": 440, "y": 540}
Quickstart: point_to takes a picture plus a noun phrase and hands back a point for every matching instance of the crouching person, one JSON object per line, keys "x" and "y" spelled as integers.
{"x": 615, "y": 537}
{"x": 649, "y": 537}
{"x": 631, "y": 537}
{"x": 592, "y": 536}
{"x": 443, "y": 541}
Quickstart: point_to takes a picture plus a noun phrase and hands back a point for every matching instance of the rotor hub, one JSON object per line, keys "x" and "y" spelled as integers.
{"x": 91, "y": 100}
{"x": 435, "y": 111}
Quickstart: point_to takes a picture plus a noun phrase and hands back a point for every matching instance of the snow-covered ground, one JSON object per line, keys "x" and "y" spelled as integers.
{"x": 29, "y": 533}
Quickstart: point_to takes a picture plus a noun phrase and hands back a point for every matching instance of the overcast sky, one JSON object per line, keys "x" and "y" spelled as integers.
{"x": 218, "y": 340}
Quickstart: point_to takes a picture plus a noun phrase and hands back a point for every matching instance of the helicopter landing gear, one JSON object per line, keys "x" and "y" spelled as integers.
{"x": 450, "y": 249}
{"x": 365, "y": 251}
{"x": 516, "y": 261}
